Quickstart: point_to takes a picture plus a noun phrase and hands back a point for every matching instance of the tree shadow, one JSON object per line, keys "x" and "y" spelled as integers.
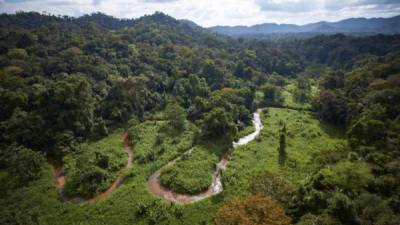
{"x": 333, "y": 131}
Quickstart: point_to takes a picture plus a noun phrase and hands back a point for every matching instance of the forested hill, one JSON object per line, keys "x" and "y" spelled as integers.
{"x": 185, "y": 30}
{"x": 69, "y": 81}
{"x": 105, "y": 61}
{"x": 29, "y": 20}
{"x": 43, "y": 62}
{"x": 352, "y": 26}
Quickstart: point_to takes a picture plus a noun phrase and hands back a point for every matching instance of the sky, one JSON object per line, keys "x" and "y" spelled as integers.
{"x": 216, "y": 12}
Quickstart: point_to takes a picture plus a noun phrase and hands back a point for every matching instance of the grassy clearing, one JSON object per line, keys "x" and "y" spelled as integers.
{"x": 131, "y": 203}
{"x": 192, "y": 173}
{"x": 305, "y": 136}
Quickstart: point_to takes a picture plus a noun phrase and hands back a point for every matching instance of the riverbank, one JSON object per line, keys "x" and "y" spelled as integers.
{"x": 60, "y": 179}
{"x": 157, "y": 189}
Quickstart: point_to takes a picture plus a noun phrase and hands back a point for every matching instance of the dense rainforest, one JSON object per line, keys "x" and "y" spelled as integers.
{"x": 329, "y": 151}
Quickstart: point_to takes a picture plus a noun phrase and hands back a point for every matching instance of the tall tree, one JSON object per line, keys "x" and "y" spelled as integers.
{"x": 218, "y": 124}
{"x": 302, "y": 92}
{"x": 175, "y": 115}
{"x": 282, "y": 145}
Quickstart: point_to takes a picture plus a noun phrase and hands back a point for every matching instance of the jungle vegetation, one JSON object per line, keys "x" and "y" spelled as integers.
{"x": 69, "y": 88}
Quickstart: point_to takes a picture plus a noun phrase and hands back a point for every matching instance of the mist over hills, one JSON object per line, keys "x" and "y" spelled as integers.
{"x": 348, "y": 26}
{"x": 351, "y": 26}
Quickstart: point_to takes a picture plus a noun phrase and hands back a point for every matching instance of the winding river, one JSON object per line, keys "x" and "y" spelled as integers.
{"x": 60, "y": 177}
{"x": 154, "y": 185}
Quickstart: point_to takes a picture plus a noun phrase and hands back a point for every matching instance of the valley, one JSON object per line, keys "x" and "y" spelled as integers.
{"x": 157, "y": 120}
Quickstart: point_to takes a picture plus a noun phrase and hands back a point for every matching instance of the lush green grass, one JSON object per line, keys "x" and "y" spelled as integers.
{"x": 305, "y": 136}
{"x": 131, "y": 203}
{"x": 192, "y": 173}
{"x": 95, "y": 165}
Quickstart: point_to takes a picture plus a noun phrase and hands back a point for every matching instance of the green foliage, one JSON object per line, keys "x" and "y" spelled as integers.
{"x": 213, "y": 74}
{"x": 330, "y": 156}
{"x": 191, "y": 174}
{"x": 157, "y": 212}
{"x": 25, "y": 128}
{"x": 17, "y": 53}
{"x": 277, "y": 79}
{"x": 268, "y": 184}
{"x": 152, "y": 141}
{"x": 332, "y": 190}
{"x": 291, "y": 92}
{"x": 305, "y": 137}
{"x": 175, "y": 115}
{"x": 359, "y": 98}
{"x": 254, "y": 210}
{"x": 350, "y": 177}
{"x": 341, "y": 207}
{"x": 272, "y": 94}
{"x": 333, "y": 80}
{"x": 218, "y": 124}
{"x": 341, "y": 51}
{"x": 64, "y": 81}
{"x": 302, "y": 92}
{"x": 315, "y": 70}
{"x": 323, "y": 219}
{"x": 88, "y": 182}
{"x": 331, "y": 106}
{"x": 22, "y": 164}
{"x": 371, "y": 209}
{"x": 188, "y": 89}
{"x": 94, "y": 166}
{"x": 236, "y": 102}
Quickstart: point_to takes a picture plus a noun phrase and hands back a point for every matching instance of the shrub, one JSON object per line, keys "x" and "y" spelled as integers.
{"x": 176, "y": 115}
{"x": 89, "y": 182}
{"x": 253, "y": 210}
{"x": 323, "y": 219}
{"x": 341, "y": 207}
{"x": 218, "y": 124}
{"x": 191, "y": 174}
{"x": 268, "y": 184}
{"x": 351, "y": 177}
{"x": 24, "y": 164}
{"x": 371, "y": 210}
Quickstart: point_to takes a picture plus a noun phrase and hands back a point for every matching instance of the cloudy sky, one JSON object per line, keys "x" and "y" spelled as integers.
{"x": 217, "y": 12}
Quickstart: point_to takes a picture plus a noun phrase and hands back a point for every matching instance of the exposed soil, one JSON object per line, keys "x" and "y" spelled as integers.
{"x": 60, "y": 177}
{"x": 154, "y": 185}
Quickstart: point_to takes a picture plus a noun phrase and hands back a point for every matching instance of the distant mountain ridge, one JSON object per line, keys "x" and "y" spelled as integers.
{"x": 29, "y": 20}
{"x": 357, "y": 26}
{"x": 352, "y": 25}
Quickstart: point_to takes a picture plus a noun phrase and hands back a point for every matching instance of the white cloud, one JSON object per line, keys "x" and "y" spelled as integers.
{"x": 294, "y": 6}
{"x": 216, "y": 12}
